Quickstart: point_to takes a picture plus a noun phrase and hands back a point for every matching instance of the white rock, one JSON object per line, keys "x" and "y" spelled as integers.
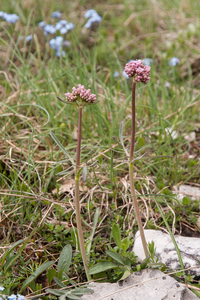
{"x": 189, "y": 248}
{"x": 187, "y": 190}
{"x": 143, "y": 285}
{"x": 190, "y": 137}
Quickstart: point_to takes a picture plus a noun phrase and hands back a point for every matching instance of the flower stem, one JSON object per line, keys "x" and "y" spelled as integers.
{"x": 77, "y": 204}
{"x": 144, "y": 243}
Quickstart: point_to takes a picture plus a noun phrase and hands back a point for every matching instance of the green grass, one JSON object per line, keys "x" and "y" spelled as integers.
{"x": 31, "y": 79}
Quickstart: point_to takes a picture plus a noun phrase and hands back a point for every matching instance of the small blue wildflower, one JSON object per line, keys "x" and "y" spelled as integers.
{"x": 116, "y": 74}
{"x": 42, "y": 24}
{"x": 174, "y": 61}
{"x": 63, "y": 30}
{"x": 56, "y": 15}
{"x": 63, "y": 22}
{"x": 49, "y": 29}
{"x": 90, "y": 13}
{"x": 147, "y": 61}
{"x": 125, "y": 75}
{"x": 11, "y": 18}
{"x": 20, "y": 297}
{"x": 12, "y": 297}
{"x": 60, "y": 53}
{"x": 1, "y": 288}
{"x": 70, "y": 26}
{"x": 56, "y": 43}
{"x": 29, "y": 38}
{"x": 58, "y": 26}
{"x": 93, "y": 18}
{"x": 2, "y": 14}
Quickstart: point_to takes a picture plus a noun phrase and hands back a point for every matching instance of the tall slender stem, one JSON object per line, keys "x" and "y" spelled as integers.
{"x": 132, "y": 185}
{"x": 77, "y": 204}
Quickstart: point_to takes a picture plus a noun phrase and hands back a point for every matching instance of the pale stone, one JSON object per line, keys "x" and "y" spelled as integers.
{"x": 165, "y": 250}
{"x": 187, "y": 190}
{"x": 143, "y": 285}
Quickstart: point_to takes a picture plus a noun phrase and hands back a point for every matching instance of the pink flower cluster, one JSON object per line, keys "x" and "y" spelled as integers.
{"x": 82, "y": 93}
{"x": 137, "y": 70}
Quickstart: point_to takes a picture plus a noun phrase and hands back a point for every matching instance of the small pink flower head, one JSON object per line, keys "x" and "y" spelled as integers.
{"x": 81, "y": 92}
{"x": 137, "y": 70}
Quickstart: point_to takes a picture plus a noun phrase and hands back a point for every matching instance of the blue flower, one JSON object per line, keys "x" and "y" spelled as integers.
{"x": 147, "y": 61}
{"x": 20, "y": 297}
{"x": 125, "y": 75}
{"x": 63, "y": 30}
{"x": 173, "y": 61}
{"x": 11, "y": 18}
{"x": 1, "y": 288}
{"x": 56, "y": 15}
{"x": 70, "y": 26}
{"x": 56, "y": 43}
{"x": 42, "y": 24}
{"x": 49, "y": 29}
{"x": 60, "y": 53}
{"x": 90, "y": 13}
{"x": 93, "y": 18}
{"x": 29, "y": 38}
{"x": 12, "y": 297}
{"x": 63, "y": 22}
{"x": 116, "y": 74}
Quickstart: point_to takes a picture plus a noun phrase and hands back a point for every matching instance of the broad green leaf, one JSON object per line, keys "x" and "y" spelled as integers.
{"x": 101, "y": 267}
{"x": 83, "y": 291}
{"x": 10, "y": 262}
{"x": 50, "y": 275}
{"x": 89, "y": 245}
{"x": 59, "y": 282}
{"x": 63, "y": 297}
{"x": 35, "y": 274}
{"x": 65, "y": 258}
{"x": 126, "y": 274}
{"x": 56, "y": 292}
{"x": 125, "y": 244}
{"x": 116, "y": 257}
{"x": 7, "y": 252}
{"x": 116, "y": 233}
{"x": 73, "y": 297}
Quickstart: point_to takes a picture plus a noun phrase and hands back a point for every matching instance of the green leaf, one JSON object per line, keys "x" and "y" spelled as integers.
{"x": 62, "y": 285}
{"x": 7, "y": 252}
{"x": 125, "y": 274}
{"x": 88, "y": 248}
{"x": 125, "y": 244}
{"x": 35, "y": 274}
{"x": 10, "y": 261}
{"x": 63, "y": 297}
{"x": 82, "y": 291}
{"x": 116, "y": 233}
{"x": 121, "y": 137}
{"x": 56, "y": 292}
{"x": 50, "y": 275}
{"x": 73, "y": 297}
{"x": 61, "y": 146}
{"x": 65, "y": 258}
{"x": 116, "y": 257}
{"x": 101, "y": 267}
